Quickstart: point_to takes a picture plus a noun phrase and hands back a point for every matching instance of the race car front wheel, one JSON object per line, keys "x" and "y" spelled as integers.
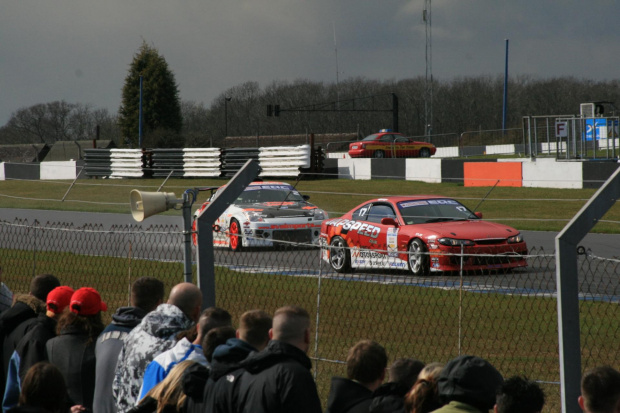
{"x": 379, "y": 154}
{"x": 235, "y": 235}
{"x": 418, "y": 257}
{"x": 339, "y": 256}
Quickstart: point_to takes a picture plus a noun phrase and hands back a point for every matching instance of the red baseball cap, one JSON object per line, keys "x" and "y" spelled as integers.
{"x": 59, "y": 299}
{"x": 87, "y": 301}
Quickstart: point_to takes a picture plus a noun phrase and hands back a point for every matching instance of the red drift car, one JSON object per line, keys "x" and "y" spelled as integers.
{"x": 422, "y": 234}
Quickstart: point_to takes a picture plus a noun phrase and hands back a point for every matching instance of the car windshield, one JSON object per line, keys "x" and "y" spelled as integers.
{"x": 433, "y": 210}
{"x": 269, "y": 193}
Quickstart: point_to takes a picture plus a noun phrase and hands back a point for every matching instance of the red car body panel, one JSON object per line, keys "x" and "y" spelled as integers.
{"x": 375, "y": 245}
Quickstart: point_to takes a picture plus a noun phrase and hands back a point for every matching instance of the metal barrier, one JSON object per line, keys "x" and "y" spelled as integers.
{"x": 509, "y": 318}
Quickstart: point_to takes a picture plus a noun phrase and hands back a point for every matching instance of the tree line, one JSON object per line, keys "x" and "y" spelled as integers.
{"x": 355, "y": 105}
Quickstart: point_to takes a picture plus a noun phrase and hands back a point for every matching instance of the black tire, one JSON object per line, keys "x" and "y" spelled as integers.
{"x": 235, "y": 241}
{"x": 425, "y": 153}
{"x": 418, "y": 257}
{"x": 339, "y": 255}
{"x": 378, "y": 154}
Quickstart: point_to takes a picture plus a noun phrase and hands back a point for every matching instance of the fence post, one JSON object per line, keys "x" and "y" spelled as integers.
{"x": 568, "y": 288}
{"x": 206, "y": 257}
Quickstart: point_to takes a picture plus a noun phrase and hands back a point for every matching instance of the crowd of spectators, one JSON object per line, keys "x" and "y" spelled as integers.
{"x": 169, "y": 356}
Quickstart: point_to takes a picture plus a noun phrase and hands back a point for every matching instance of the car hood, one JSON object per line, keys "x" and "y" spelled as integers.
{"x": 280, "y": 209}
{"x": 472, "y": 229}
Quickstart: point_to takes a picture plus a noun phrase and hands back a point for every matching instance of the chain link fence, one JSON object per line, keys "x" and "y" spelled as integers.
{"x": 509, "y": 318}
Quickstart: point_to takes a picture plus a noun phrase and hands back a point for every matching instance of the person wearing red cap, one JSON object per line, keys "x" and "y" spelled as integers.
{"x": 73, "y": 350}
{"x": 31, "y": 348}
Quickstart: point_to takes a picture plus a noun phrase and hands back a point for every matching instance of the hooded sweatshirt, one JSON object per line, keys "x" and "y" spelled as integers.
{"x": 154, "y": 335}
{"x": 278, "y": 379}
{"x": 109, "y": 345}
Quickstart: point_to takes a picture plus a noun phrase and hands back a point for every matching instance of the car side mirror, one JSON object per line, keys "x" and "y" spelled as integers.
{"x": 305, "y": 197}
{"x": 478, "y": 214}
{"x": 389, "y": 221}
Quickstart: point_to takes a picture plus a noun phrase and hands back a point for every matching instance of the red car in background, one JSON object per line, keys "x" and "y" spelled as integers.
{"x": 387, "y": 144}
{"x": 421, "y": 234}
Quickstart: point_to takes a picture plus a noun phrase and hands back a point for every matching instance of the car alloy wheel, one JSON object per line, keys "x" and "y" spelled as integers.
{"x": 425, "y": 153}
{"x": 379, "y": 154}
{"x": 339, "y": 256}
{"x": 235, "y": 235}
{"x": 418, "y": 258}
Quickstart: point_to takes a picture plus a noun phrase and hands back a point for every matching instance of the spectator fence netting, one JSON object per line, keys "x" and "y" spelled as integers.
{"x": 506, "y": 317}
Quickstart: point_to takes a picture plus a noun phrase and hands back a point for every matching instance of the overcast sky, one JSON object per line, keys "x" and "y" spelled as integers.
{"x": 80, "y": 50}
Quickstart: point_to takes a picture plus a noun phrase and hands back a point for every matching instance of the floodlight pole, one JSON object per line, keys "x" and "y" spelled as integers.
{"x": 187, "y": 233}
{"x": 204, "y": 225}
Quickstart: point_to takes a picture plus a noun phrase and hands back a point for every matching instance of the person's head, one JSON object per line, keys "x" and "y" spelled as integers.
{"x": 147, "y": 293}
{"x": 291, "y": 325}
{"x": 471, "y": 380}
{"x": 58, "y": 300}
{"x": 169, "y": 392}
{"x": 211, "y": 318}
{"x": 254, "y": 327}
{"x": 423, "y": 396}
{"x": 405, "y": 371}
{"x": 85, "y": 313}
{"x": 188, "y": 298}
{"x": 366, "y": 363}
{"x": 44, "y": 387}
{"x": 519, "y": 395}
{"x": 600, "y": 390}
{"x": 216, "y": 337}
{"x": 42, "y": 284}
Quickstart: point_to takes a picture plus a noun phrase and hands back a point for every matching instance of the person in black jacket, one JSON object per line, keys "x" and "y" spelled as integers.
{"x": 390, "y": 396}
{"x": 205, "y": 390}
{"x": 278, "y": 379}
{"x": 73, "y": 350}
{"x": 19, "y": 319}
{"x": 146, "y": 294}
{"x": 366, "y": 363}
{"x": 31, "y": 348}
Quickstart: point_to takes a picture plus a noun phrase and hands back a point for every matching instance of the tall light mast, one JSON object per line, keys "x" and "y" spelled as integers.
{"x": 428, "y": 82}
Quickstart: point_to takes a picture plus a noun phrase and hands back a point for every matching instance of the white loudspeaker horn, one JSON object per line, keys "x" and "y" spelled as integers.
{"x": 145, "y": 204}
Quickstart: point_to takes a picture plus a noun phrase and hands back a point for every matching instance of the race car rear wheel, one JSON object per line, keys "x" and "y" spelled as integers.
{"x": 378, "y": 154}
{"x": 425, "y": 153}
{"x": 235, "y": 235}
{"x": 418, "y": 257}
{"x": 339, "y": 255}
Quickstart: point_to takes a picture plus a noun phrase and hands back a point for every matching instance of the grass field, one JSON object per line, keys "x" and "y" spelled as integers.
{"x": 515, "y": 332}
{"x": 524, "y": 208}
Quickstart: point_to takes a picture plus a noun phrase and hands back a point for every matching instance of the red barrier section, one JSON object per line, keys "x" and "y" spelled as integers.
{"x": 488, "y": 173}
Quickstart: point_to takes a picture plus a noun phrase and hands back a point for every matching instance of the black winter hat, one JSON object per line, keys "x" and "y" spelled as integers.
{"x": 471, "y": 380}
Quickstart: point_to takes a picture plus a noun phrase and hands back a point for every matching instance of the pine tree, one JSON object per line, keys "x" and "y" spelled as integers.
{"x": 161, "y": 108}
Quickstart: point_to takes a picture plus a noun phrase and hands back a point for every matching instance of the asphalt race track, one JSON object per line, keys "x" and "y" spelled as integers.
{"x": 538, "y": 278}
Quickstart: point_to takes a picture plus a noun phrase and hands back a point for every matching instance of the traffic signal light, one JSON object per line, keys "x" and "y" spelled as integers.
{"x": 276, "y": 110}
{"x": 269, "y": 110}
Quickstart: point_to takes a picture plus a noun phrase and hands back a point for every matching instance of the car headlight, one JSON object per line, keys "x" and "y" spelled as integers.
{"x": 452, "y": 242}
{"x": 515, "y": 239}
{"x": 319, "y": 214}
{"x": 254, "y": 216}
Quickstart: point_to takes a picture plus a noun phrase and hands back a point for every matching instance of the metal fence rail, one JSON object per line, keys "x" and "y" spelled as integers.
{"x": 509, "y": 318}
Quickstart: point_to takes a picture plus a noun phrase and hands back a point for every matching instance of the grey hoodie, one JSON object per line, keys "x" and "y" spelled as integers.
{"x": 154, "y": 335}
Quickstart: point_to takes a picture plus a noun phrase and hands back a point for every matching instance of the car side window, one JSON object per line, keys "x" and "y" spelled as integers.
{"x": 360, "y": 213}
{"x": 380, "y": 211}
{"x": 387, "y": 138}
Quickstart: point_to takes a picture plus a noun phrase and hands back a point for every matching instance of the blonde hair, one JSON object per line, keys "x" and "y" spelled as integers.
{"x": 169, "y": 392}
{"x": 423, "y": 396}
